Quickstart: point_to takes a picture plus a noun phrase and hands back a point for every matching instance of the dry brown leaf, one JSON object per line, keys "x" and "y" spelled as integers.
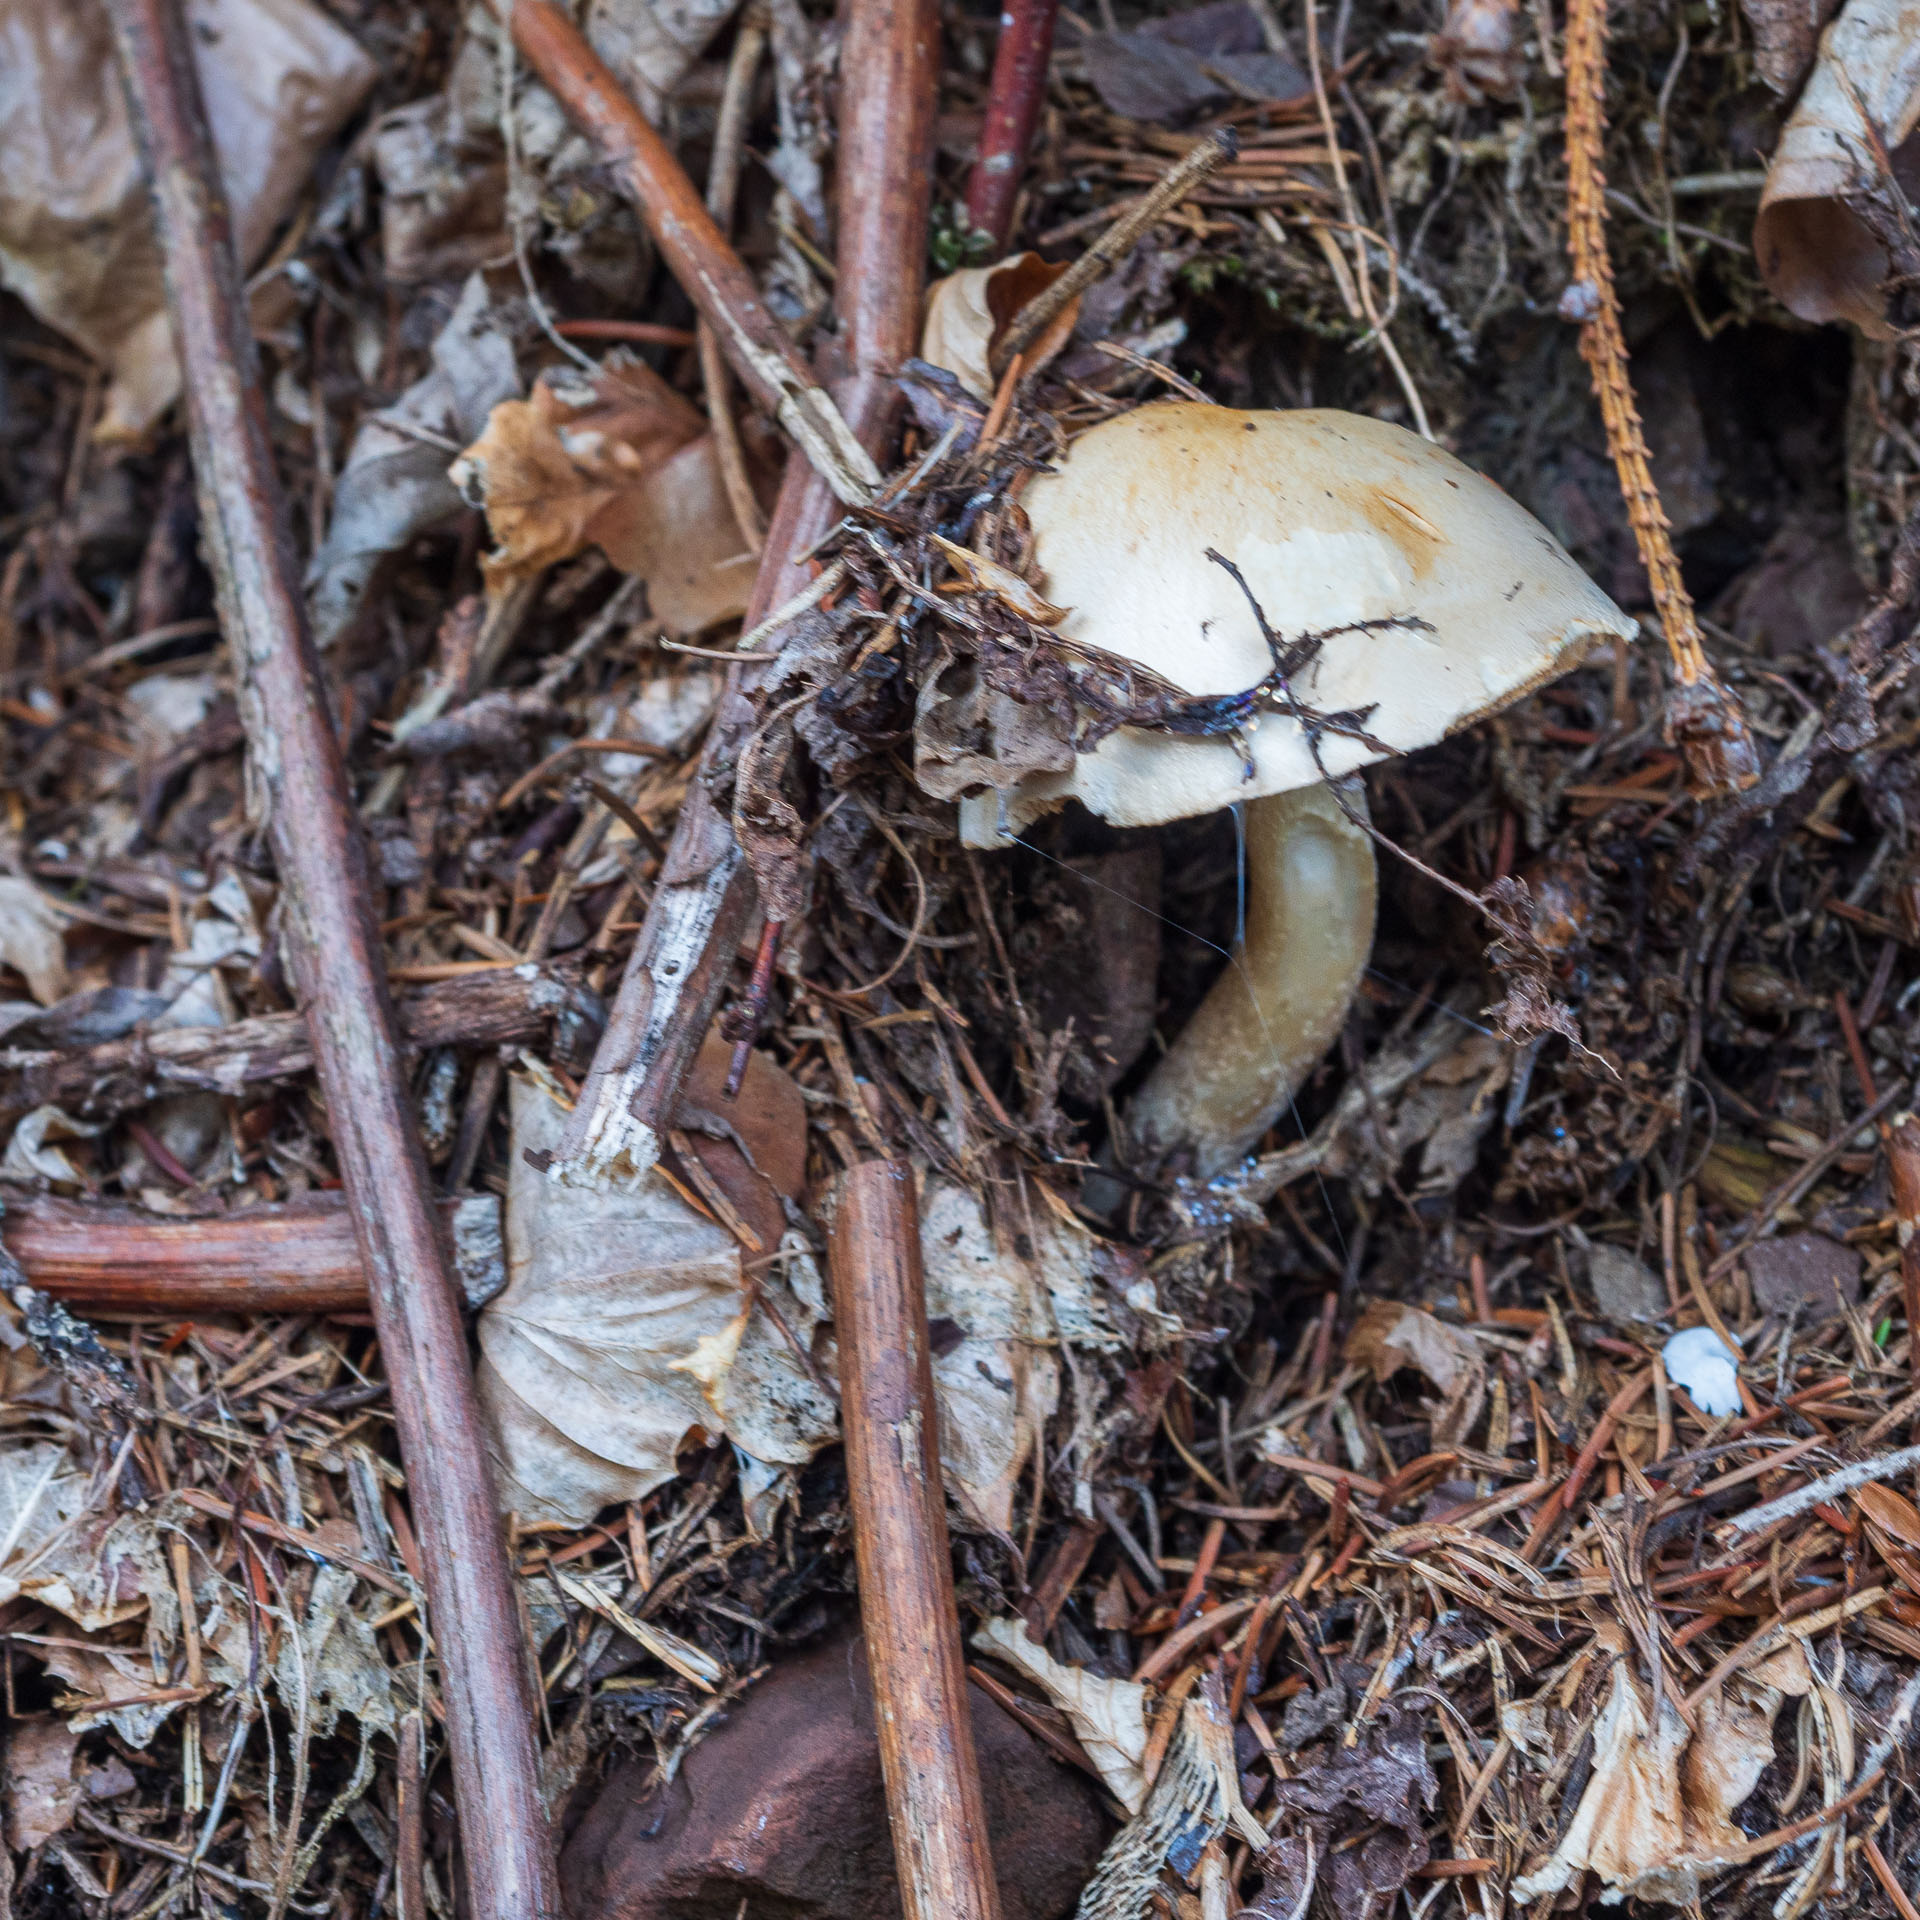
{"x": 1815, "y": 252}
{"x": 967, "y": 312}
{"x": 978, "y": 574}
{"x": 625, "y": 465}
{"x": 752, "y": 1147}
{"x": 1892, "y": 1512}
{"x": 1389, "y": 1336}
{"x": 31, "y": 939}
{"x": 76, "y": 234}
{"x": 1656, "y": 1820}
{"x": 43, "y": 1787}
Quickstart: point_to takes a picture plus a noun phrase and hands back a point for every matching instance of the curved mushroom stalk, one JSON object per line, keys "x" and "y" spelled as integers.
{"x": 1281, "y": 1001}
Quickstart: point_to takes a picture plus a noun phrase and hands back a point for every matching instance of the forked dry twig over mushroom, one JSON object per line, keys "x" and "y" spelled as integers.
{"x": 1322, "y": 591}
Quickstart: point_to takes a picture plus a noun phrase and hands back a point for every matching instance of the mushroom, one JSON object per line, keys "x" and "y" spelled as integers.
{"x": 1436, "y": 600}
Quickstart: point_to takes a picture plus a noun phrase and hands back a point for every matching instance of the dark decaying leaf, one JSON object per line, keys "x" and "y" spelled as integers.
{"x": 1383, "y": 1783}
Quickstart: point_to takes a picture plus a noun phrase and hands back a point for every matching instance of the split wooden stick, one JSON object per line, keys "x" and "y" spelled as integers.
{"x": 705, "y": 903}
{"x": 901, "y": 1550}
{"x": 294, "y": 761}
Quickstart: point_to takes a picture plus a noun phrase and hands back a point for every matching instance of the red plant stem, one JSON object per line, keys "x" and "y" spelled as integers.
{"x": 705, "y": 900}
{"x": 1015, "y": 96}
{"x": 339, "y": 968}
{"x": 907, "y": 1612}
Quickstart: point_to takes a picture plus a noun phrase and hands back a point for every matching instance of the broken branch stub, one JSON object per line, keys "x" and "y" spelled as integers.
{"x": 295, "y": 763}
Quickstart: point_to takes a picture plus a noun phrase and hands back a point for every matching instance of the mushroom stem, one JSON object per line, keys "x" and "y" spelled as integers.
{"x": 1280, "y": 1002}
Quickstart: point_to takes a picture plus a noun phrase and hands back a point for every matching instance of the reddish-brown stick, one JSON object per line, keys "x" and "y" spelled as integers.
{"x": 1015, "y": 95}
{"x": 338, "y": 965}
{"x": 704, "y": 905}
{"x": 901, "y": 1550}
{"x": 299, "y": 1257}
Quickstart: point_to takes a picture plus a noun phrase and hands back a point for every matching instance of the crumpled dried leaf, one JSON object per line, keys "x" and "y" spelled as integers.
{"x": 583, "y": 1375}
{"x": 652, "y": 45}
{"x": 42, "y": 1493}
{"x": 33, "y": 1157}
{"x": 1172, "y": 67}
{"x": 625, "y": 465}
{"x": 112, "y": 1686}
{"x": 966, "y": 313}
{"x": 337, "y": 1661}
{"x": 1376, "y": 1792}
{"x": 101, "y": 1570}
{"x": 997, "y": 1384}
{"x": 43, "y": 1785}
{"x": 443, "y": 176}
{"x": 1481, "y": 48}
{"x": 1109, "y": 1717}
{"x": 279, "y": 78}
{"x": 1389, "y": 1336}
{"x": 394, "y": 485}
{"x": 1785, "y": 33}
{"x": 1656, "y": 1821}
{"x": 1815, "y": 251}
{"x": 31, "y": 940}
{"x": 967, "y": 734}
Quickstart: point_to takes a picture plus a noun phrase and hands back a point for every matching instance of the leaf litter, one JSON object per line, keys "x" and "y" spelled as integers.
{"x": 1344, "y": 1511}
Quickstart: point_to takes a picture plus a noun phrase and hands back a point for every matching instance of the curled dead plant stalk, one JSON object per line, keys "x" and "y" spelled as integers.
{"x": 1703, "y": 716}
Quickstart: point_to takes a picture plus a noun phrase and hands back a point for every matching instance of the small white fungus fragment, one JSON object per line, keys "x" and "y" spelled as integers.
{"x": 1702, "y": 1365}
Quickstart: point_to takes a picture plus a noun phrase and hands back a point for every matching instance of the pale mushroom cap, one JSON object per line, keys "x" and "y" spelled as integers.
{"x": 1333, "y": 518}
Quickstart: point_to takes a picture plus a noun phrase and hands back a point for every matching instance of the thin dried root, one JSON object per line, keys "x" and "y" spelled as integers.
{"x": 1704, "y": 719}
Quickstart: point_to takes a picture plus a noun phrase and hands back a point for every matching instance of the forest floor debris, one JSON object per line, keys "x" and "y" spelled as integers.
{"x": 1381, "y": 1534}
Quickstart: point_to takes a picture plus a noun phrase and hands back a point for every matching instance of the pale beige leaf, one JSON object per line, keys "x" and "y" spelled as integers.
{"x": 76, "y": 233}
{"x": 1109, "y": 1717}
{"x": 584, "y": 1376}
{"x": 43, "y": 1787}
{"x": 1814, "y": 251}
{"x": 31, "y": 939}
{"x": 967, "y": 311}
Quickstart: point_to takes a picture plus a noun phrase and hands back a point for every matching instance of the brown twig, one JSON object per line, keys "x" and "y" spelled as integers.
{"x": 696, "y": 251}
{"x": 1703, "y": 717}
{"x": 704, "y": 903}
{"x": 1015, "y": 95}
{"x": 900, "y": 1547}
{"x": 409, "y": 1837}
{"x": 337, "y": 960}
{"x": 298, "y": 1257}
